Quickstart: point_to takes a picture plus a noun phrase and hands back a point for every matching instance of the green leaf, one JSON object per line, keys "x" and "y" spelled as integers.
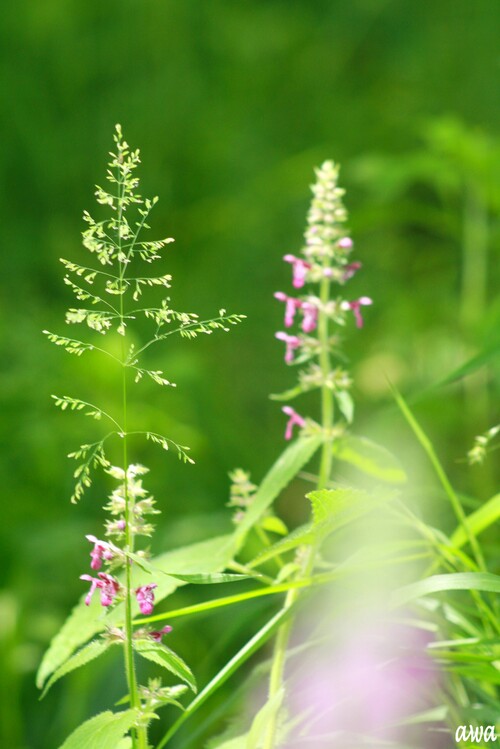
{"x": 86, "y": 621}
{"x": 335, "y": 508}
{"x": 228, "y": 670}
{"x": 125, "y": 743}
{"x": 208, "y": 578}
{"x": 102, "y": 731}
{"x": 482, "y": 581}
{"x": 370, "y": 458}
{"x": 345, "y": 404}
{"x": 288, "y": 395}
{"x": 472, "y": 365}
{"x": 263, "y": 718}
{"x": 91, "y": 651}
{"x": 282, "y": 472}
{"x": 163, "y": 656}
{"x": 478, "y": 521}
{"x": 299, "y": 537}
{"x": 273, "y": 524}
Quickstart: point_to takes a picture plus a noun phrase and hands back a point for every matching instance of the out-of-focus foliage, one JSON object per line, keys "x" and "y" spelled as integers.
{"x": 232, "y": 104}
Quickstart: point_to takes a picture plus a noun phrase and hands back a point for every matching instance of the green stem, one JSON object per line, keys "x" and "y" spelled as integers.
{"x": 325, "y": 468}
{"x": 139, "y": 734}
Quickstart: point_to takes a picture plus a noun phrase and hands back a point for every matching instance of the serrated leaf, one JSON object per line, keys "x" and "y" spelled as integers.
{"x": 163, "y": 656}
{"x": 91, "y": 651}
{"x": 282, "y": 472}
{"x": 370, "y": 458}
{"x": 86, "y": 621}
{"x": 299, "y": 537}
{"x": 334, "y": 508}
{"x": 125, "y": 743}
{"x": 102, "y": 731}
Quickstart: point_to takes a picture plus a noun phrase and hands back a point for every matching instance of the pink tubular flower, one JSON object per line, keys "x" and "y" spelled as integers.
{"x": 108, "y": 585}
{"x": 355, "y": 306}
{"x": 300, "y": 268}
{"x": 292, "y": 305}
{"x": 350, "y": 270}
{"x": 345, "y": 243}
{"x": 294, "y": 418}
{"x": 310, "y": 320}
{"x": 157, "y": 635}
{"x": 145, "y": 598}
{"x": 292, "y": 343}
{"x": 100, "y": 551}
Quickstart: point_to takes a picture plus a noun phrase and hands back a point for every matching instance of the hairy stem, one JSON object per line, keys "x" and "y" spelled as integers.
{"x": 325, "y": 468}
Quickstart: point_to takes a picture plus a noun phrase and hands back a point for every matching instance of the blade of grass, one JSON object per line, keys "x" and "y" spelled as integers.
{"x": 443, "y": 478}
{"x": 228, "y": 670}
{"x": 239, "y": 598}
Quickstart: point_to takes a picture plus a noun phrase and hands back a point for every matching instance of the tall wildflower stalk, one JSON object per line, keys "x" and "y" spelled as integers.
{"x": 324, "y": 261}
{"x": 112, "y": 287}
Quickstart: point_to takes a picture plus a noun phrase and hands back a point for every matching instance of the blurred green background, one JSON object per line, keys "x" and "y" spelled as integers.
{"x": 232, "y": 104}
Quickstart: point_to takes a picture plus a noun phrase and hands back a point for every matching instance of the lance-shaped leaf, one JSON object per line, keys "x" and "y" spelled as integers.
{"x": 282, "y": 472}
{"x": 88, "y": 653}
{"x": 163, "y": 656}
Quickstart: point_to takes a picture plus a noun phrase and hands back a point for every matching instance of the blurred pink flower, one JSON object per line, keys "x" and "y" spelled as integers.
{"x": 355, "y": 306}
{"x": 145, "y": 598}
{"x": 295, "y": 419}
{"x": 292, "y": 343}
{"x": 300, "y": 268}
{"x": 292, "y": 305}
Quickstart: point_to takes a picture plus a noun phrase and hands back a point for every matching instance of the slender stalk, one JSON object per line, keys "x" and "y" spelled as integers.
{"x": 327, "y": 414}
{"x": 139, "y": 734}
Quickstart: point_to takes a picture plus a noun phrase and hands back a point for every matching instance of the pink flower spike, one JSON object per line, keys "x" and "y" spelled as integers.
{"x": 145, "y": 598}
{"x": 345, "y": 243}
{"x": 294, "y": 419}
{"x": 355, "y": 305}
{"x": 157, "y": 635}
{"x": 300, "y": 268}
{"x": 100, "y": 551}
{"x": 292, "y": 305}
{"x": 310, "y": 320}
{"x": 292, "y": 343}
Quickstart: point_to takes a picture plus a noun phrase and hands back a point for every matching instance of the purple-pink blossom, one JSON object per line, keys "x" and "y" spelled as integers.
{"x": 294, "y": 419}
{"x": 345, "y": 243}
{"x": 350, "y": 270}
{"x": 292, "y": 305}
{"x": 310, "y": 319}
{"x": 107, "y": 584}
{"x": 100, "y": 551}
{"x": 300, "y": 268}
{"x": 157, "y": 635}
{"x": 355, "y": 306}
{"x": 292, "y": 342}
{"x": 146, "y": 598}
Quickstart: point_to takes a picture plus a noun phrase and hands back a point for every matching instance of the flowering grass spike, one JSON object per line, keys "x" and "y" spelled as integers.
{"x": 108, "y": 291}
